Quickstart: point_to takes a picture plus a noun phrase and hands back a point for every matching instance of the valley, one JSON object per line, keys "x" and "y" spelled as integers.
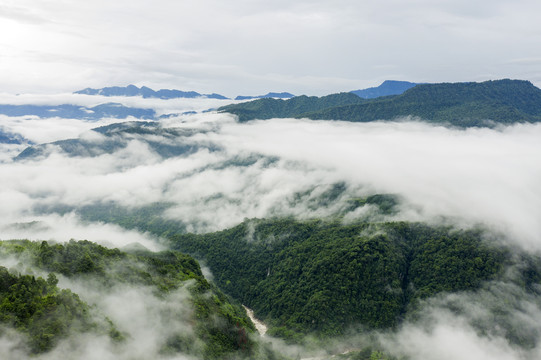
{"x": 145, "y": 236}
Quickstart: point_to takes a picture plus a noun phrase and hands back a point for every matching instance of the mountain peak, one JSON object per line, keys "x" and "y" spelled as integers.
{"x": 388, "y": 87}
{"x": 146, "y": 92}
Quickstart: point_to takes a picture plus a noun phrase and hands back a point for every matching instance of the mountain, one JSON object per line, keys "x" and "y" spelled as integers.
{"x": 388, "y": 87}
{"x": 269, "y": 108}
{"x": 145, "y": 92}
{"x": 282, "y": 95}
{"x": 167, "y": 142}
{"x": 167, "y": 289}
{"x": 113, "y": 110}
{"x": 460, "y": 104}
{"x": 323, "y": 277}
{"x": 10, "y": 138}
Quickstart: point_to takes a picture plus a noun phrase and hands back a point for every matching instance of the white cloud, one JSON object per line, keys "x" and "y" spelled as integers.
{"x": 471, "y": 176}
{"x": 485, "y": 324}
{"x": 69, "y": 226}
{"x": 476, "y": 175}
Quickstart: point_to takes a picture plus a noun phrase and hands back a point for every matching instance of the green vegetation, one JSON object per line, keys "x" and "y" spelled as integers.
{"x": 269, "y": 108}
{"x": 323, "y": 277}
{"x": 315, "y": 277}
{"x": 40, "y": 310}
{"x": 460, "y": 104}
{"x": 37, "y": 307}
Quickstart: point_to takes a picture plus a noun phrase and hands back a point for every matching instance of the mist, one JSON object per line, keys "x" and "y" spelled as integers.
{"x": 282, "y": 167}
{"x": 468, "y": 177}
{"x": 475, "y": 175}
{"x": 472, "y": 325}
{"x": 146, "y": 318}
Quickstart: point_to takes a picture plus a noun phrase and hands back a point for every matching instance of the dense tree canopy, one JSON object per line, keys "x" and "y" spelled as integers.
{"x": 46, "y": 313}
{"x": 322, "y": 276}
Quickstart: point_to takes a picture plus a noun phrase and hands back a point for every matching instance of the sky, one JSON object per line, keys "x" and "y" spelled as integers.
{"x": 250, "y": 47}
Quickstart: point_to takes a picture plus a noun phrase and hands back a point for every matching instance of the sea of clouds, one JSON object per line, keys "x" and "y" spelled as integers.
{"x": 465, "y": 177}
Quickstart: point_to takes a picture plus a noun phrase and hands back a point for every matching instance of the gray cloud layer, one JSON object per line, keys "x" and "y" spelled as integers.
{"x": 312, "y": 47}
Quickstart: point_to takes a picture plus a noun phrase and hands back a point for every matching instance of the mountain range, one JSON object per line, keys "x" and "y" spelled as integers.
{"x": 117, "y": 136}
{"x": 459, "y": 104}
{"x": 113, "y": 110}
{"x": 146, "y": 92}
{"x": 282, "y": 95}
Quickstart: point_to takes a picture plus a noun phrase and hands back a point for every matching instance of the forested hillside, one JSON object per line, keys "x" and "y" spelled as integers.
{"x": 459, "y": 104}
{"x": 43, "y": 312}
{"x": 269, "y": 108}
{"x": 324, "y": 277}
{"x": 47, "y": 314}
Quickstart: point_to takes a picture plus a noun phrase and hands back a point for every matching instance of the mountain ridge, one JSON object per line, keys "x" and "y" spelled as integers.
{"x": 281, "y": 95}
{"x": 114, "y": 110}
{"x": 467, "y": 104}
{"x": 146, "y": 92}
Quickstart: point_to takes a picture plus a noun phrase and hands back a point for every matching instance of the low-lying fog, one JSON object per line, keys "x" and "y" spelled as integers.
{"x": 257, "y": 169}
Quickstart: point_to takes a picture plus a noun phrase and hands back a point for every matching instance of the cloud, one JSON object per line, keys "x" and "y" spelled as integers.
{"x": 498, "y": 322}
{"x": 475, "y": 175}
{"x": 69, "y": 226}
{"x": 284, "y": 167}
{"x": 21, "y": 14}
{"x": 258, "y": 169}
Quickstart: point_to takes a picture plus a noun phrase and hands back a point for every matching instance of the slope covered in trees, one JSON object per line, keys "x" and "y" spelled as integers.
{"x": 460, "y": 104}
{"x": 40, "y": 310}
{"x": 324, "y": 277}
{"x": 47, "y": 314}
{"x": 269, "y": 108}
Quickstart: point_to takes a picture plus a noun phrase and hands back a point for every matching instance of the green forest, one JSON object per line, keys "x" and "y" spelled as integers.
{"x": 324, "y": 277}
{"x": 458, "y": 104}
{"x": 46, "y": 314}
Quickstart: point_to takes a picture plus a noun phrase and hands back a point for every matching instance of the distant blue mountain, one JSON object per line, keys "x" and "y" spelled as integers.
{"x": 167, "y": 142}
{"x": 282, "y": 95}
{"x": 146, "y": 92}
{"x": 10, "y": 138}
{"x": 388, "y": 87}
{"x": 113, "y": 110}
